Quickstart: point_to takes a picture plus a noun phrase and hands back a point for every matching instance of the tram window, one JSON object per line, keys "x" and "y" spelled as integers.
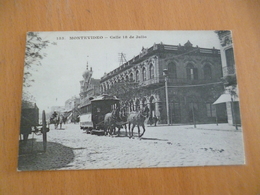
{"x": 98, "y": 109}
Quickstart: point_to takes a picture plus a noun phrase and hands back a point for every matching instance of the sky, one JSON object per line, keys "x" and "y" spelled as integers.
{"x": 57, "y": 79}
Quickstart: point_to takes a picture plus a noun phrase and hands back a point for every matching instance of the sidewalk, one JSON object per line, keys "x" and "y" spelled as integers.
{"x": 215, "y": 127}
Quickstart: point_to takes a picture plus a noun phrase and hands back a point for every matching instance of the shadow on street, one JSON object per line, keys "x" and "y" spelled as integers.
{"x": 32, "y": 157}
{"x": 148, "y": 138}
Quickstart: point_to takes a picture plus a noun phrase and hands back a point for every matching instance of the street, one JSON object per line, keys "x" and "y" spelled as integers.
{"x": 160, "y": 146}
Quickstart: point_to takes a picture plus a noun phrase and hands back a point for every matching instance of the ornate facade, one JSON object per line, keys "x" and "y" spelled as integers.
{"x": 193, "y": 79}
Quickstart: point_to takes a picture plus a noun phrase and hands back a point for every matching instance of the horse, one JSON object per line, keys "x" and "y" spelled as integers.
{"x": 137, "y": 119}
{"x": 110, "y": 123}
{"x": 58, "y": 120}
{"x": 113, "y": 120}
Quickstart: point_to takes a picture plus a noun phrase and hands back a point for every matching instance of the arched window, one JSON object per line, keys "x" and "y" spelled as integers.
{"x": 151, "y": 71}
{"x": 192, "y": 73}
{"x": 172, "y": 70}
{"x": 137, "y": 76}
{"x": 144, "y": 102}
{"x": 137, "y": 104}
{"x": 131, "y": 105}
{"x": 131, "y": 77}
{"x": 207, "y": 72}
{"x": 144, "y": 74}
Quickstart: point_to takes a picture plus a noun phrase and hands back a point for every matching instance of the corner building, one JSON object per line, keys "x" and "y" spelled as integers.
{"x": 229, "y": 78}
{"x": 191, "y": 74}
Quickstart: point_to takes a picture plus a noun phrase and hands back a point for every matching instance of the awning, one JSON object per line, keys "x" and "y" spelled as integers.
{"x": 226, "y": 97}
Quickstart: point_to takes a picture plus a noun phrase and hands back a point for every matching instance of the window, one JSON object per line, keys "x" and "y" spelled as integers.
{"x": 131, "y": 77}
{"x": 151, "y": 71}
{"x": 207, "y": 72}
{"x": 211, "y": 110}
{"x": 193, "y": 111}
{"x": 144, "y": 102}
{"x": 131, "y": 106}
{"x": 230, "y": 57}
{"x": 172, "y": 70}
{"x": 137, "y": 104}
{"x": 137, "y": 76}
{"x": 192, "y": 73}
{"x": 144, "y": 74}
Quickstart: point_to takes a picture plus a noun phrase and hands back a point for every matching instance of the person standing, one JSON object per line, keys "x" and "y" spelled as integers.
{"x": 155, "y": 120}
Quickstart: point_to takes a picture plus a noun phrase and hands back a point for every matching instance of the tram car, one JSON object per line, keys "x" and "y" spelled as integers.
{"x": 93, "y": 113}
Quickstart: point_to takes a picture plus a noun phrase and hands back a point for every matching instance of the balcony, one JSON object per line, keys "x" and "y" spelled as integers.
{"x": 227, "y": 70}
{"x": 152, "y": 82}
{"x": 156, "y": 82}
{"x": 160, "y": 81}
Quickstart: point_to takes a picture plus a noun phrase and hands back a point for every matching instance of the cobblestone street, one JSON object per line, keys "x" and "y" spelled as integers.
{"x": 161, "y": 146}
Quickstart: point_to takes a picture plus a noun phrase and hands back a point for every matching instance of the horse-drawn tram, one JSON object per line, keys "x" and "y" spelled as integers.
{"x": 103, "y": 115}
{"x": 93, "y": 113}
{"x": 30, "y": 123}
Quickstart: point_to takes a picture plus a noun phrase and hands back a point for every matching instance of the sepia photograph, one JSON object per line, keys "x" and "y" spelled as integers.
{"x": 129, "y": 99}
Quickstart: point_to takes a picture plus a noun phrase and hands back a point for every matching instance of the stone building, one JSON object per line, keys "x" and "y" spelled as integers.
{"x": 191, "y": 76}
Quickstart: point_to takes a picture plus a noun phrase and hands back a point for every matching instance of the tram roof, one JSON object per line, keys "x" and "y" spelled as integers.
{"x": 105, "y": 97}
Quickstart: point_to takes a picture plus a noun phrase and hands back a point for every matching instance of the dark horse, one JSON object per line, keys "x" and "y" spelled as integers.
{"x": 113, "y": 120}
{"x": 58, "y": 120}
{"x": 137, "y": 119}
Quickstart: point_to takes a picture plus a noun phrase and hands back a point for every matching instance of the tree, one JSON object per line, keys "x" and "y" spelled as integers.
{"x": 33, "y": 55}
{"x": 122, "y": 89}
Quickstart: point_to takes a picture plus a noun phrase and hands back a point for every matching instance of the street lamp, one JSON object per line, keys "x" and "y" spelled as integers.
{"x": 165, "y": 71}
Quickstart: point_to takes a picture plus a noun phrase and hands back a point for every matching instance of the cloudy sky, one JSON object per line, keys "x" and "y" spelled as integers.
{"x": 58, "y": 78}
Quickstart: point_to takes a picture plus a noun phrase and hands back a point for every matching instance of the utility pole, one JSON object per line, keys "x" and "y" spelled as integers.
{"x": 165, "y": 71}
{"x": 122, "y": 59}
{"x": 193, "y": 115}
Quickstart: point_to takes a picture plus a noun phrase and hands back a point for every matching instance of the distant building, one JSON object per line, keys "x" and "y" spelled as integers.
{"x": 193, "y": 83}
{"x": 230, "y": 94}
{"x": 71, "y": 109}
{"x": 89, "y": 87}
{"x": 72, "y": 103}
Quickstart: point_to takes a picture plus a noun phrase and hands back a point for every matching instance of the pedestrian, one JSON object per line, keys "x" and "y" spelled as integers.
{"x": 155, "y": 120}
{"x": 150, "y": 120}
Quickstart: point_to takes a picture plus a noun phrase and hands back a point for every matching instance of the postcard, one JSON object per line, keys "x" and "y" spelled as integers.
{"x": 129, "y": 99}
